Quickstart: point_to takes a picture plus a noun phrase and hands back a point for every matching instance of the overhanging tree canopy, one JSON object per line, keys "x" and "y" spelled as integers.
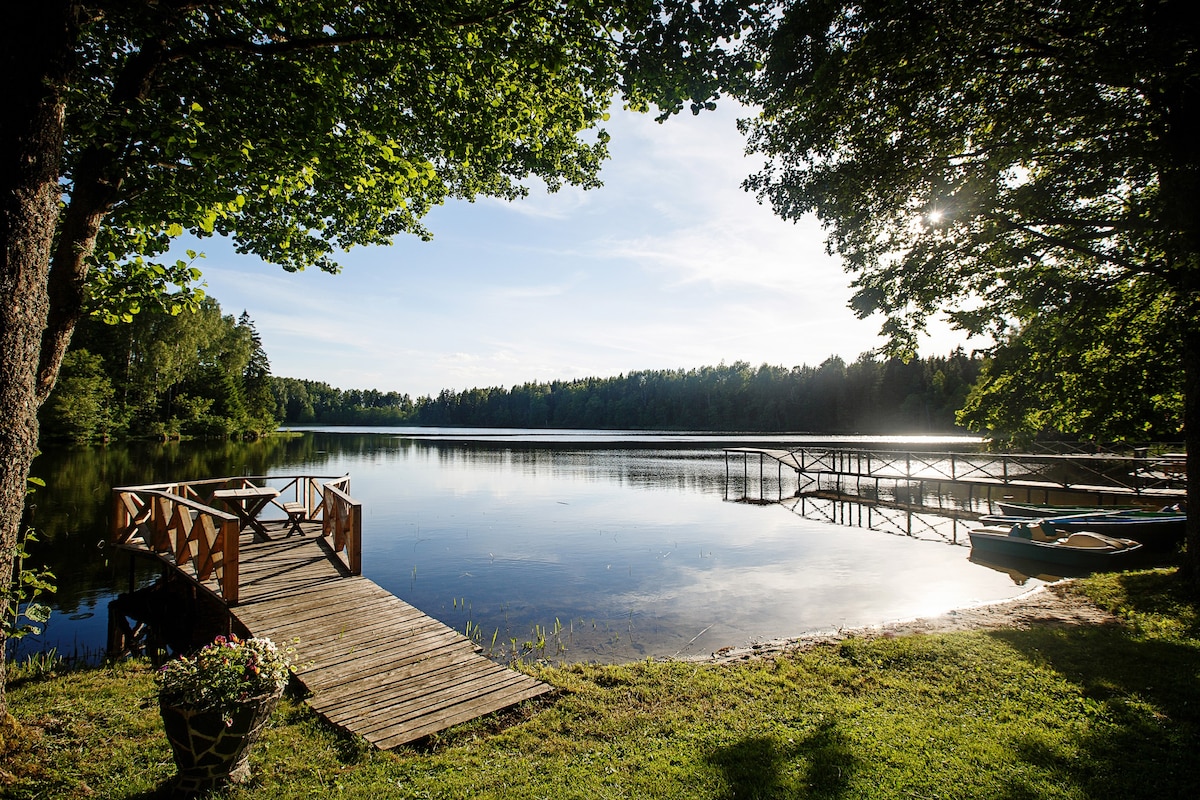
{"x": 296, "y": 129}
{"x": 1008, "y": 161}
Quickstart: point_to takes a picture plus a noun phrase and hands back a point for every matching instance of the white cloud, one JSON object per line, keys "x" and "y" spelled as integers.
{"x": 669, "y": 265}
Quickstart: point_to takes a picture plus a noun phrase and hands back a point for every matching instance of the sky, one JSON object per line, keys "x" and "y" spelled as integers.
{"x": 670, "y": 265}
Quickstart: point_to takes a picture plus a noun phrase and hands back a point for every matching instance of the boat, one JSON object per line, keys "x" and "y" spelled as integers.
{"x": 1156, "y": 530}
{"x": 1011, "y": 509}
{"x": 1036, "y": 541}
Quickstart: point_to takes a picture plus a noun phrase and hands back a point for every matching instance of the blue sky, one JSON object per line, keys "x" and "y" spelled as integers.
{"x": 669, "y": 265}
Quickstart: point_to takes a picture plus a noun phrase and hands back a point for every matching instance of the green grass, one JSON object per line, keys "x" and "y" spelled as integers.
{"x": 1052, "y": 712}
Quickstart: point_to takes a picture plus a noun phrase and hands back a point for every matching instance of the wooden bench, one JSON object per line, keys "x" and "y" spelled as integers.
{"x": 296, "y": 514}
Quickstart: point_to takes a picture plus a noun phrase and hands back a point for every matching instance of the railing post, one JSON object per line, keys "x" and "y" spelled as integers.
{"x": 354, "y": 540}
{"x": 119, "y": 520}
{"x": 229, "y": 561}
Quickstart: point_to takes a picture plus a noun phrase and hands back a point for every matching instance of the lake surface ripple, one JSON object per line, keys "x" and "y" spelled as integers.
{"x": 602, "y": 547}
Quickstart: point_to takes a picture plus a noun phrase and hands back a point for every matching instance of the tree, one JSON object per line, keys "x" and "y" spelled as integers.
{"x": 295, "y": 129}
{"x": 256, "y": 379}
{"x": 1008, "y": 161}
{"x": 195, "y": 372}
{"x": 1103, "y": 373}
{"x": 80, "y": 407}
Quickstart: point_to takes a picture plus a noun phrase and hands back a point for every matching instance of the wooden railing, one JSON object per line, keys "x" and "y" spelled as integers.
{"x": 341, "y": 522}
{"x": 179, "y": 521}
{"x": 189, "y": 533}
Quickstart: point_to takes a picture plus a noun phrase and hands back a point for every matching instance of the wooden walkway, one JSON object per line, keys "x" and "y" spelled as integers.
{"x": 375, "y": 666}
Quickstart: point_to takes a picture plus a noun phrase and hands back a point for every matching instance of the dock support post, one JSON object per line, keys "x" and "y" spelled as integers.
{"x": 745, "y": 476}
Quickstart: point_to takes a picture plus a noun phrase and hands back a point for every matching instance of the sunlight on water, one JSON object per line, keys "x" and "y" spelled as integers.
{"x": 602, "y": 550}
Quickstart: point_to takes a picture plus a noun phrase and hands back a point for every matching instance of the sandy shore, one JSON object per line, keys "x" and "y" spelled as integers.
{"x": 1051, "y": 604}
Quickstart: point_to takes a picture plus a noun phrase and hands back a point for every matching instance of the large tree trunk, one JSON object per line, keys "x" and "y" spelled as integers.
{"x": 1191, "y": 438}
{"x": 1176, "y": 98}
{"x": 36, "y": 43}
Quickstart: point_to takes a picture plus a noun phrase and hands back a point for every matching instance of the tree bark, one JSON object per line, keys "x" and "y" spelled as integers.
{"x": 1191, "y": 438}
{"x": 37, "y": 43}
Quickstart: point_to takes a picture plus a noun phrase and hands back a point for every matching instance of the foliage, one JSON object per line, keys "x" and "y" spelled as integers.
{"x": 21, "y": 593}
{"x": 80, "y": 409}
{"x": 1060, "y": 712}
{"x": 225, "y": 674}
{"x": 19, "y": 598}
{"x": 1108, "y": 373}
{"x": 867, "y": 396}
{"x": 197, "y": 373}
{"x": 1010, "y": 162}
{"x": 359, "y": 142}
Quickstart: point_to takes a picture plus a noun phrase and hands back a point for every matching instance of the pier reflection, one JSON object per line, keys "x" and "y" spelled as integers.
{"x": 951, "y": 527}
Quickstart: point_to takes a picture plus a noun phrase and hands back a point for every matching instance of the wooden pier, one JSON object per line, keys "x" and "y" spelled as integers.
{"x": 374, "y": 665}
{"x": 872, "y": 473}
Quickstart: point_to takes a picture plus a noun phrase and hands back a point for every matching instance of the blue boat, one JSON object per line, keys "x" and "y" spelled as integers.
{"x": 1034, "y": 541}
{"x": 1011, "y": 509}
{"x": 1156, "y": 530}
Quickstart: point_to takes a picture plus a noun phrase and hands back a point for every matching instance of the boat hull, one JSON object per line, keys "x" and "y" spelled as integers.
{"x": 1155, "y": 531}
{"x": 999, "y": 542}
{"x": 1009, "y": 509}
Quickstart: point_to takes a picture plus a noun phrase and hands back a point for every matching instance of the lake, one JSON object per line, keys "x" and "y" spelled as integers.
{"x": 599, "y": 546}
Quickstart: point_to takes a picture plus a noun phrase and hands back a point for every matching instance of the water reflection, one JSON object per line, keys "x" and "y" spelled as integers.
{"x": 605, "y": 551}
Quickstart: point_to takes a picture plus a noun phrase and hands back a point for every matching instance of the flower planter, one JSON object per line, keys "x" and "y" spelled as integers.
{"x": 212, "y": 749}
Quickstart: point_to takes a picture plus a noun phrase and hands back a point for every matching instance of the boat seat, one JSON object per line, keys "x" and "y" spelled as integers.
{"x": 1039, "y": 531}
{"x": 1096, "y": 540}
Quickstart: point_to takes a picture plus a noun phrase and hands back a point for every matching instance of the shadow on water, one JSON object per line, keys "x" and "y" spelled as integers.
{"x": 757, "y": 767}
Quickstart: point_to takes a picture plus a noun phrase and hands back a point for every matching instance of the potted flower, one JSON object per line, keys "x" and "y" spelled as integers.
{"x": 215, "y": 703}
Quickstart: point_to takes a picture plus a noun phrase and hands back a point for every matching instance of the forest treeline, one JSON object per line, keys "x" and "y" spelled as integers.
{"x": 203, "y": 373}
{"x": 866, "y": 396}
{"x": 199, "y": 373}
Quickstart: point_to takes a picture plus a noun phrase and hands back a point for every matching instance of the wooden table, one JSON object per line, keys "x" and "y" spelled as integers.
{"x": 248, "y": 503}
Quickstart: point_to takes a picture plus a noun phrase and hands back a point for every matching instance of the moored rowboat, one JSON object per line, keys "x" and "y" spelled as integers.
{"x": 1010, "y": 509}
{"x": 1082, "y": 550}
{"x": 1158, "y": 531}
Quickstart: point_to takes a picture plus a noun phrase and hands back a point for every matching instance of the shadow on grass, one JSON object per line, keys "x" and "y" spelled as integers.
{"x": 756, "y": 767}
{"x": 1165, "y": 595}
{"x": 1143, "y": 731}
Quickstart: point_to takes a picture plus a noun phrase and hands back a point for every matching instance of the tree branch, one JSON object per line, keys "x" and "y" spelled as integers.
{"x": 285, "y": 46}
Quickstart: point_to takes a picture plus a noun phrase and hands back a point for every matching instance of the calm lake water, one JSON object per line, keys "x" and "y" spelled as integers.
{"x": 609, "y": 546}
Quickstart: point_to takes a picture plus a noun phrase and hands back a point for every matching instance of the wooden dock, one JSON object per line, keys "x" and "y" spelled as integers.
{"x": 374, "y": 665}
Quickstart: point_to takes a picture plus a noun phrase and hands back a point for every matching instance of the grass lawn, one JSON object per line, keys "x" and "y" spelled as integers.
{"x": 1051, "y": 712}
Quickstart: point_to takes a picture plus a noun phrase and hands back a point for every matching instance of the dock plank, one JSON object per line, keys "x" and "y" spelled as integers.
{"x": 374, "y": 665}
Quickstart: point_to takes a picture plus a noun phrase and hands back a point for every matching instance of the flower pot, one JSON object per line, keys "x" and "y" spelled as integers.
{"x": 212, "y": 749}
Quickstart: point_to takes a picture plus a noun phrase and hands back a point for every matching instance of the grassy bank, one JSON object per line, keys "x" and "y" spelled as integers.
{"x": 1070, "y": 712}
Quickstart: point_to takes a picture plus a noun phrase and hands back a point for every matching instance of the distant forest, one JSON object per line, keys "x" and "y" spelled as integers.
{"x": 205, "y": 374}
{"x": 866, "y": 396}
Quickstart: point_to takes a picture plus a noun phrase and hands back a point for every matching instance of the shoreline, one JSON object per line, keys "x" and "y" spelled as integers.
{"x": 1049, "y": 604}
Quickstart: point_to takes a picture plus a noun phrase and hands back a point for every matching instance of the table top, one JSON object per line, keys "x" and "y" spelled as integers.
{"x": 248, "y": 492}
